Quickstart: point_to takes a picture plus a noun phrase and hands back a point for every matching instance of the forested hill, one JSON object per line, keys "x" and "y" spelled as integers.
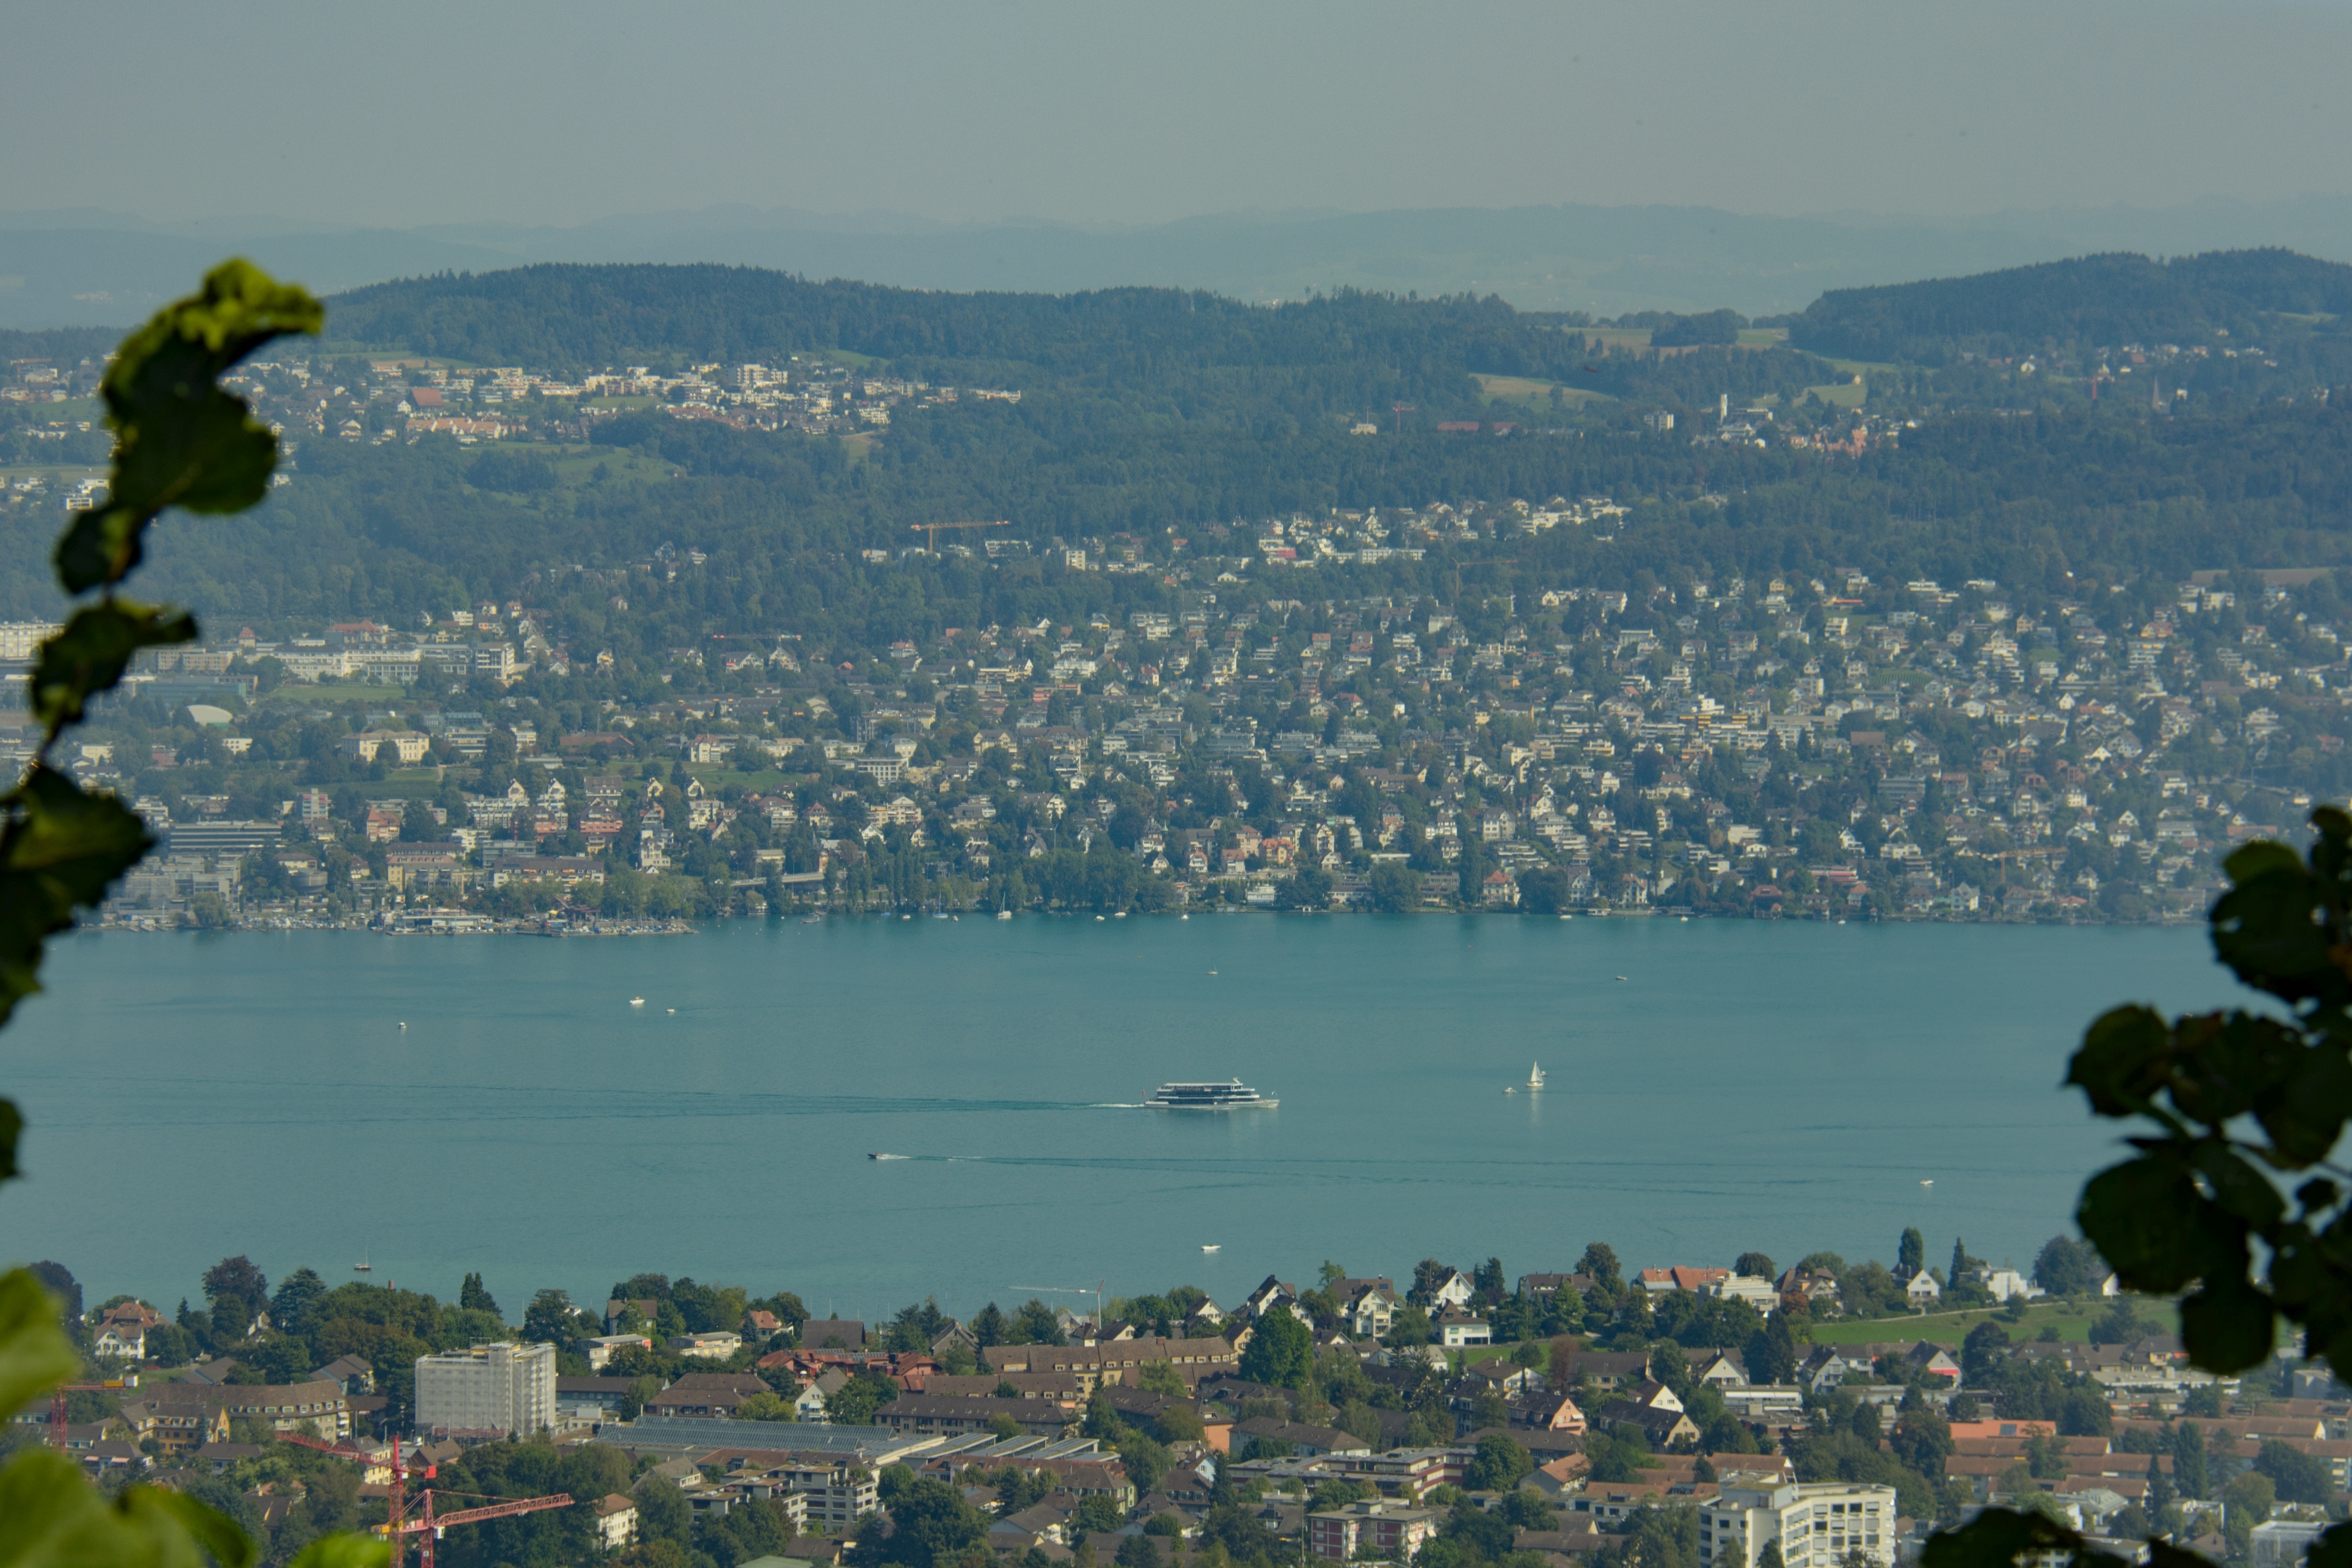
{"x": 573, "y": 317}
{"x": 2104, "y": 300}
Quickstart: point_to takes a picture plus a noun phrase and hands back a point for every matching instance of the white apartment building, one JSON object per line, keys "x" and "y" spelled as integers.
{"x": 503, "y": 1387}
{"x": 1816, "y": 1524}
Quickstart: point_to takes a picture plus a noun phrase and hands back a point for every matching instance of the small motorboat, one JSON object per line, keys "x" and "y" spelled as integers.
{"x": 637, "y": 1001}
{"x": 1210, "y": 1246}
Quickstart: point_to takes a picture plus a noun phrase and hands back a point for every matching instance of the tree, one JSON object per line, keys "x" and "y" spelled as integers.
{"x": 663, "y": 1513}
{"x": 854, "y": 1402}
{"x": 1981, "y": 1355}
{"x": 1281, "y": 1351}
{"x": 299, "y": 1291}
{"x": 1499, "y": 1464}
{"x": 59, "y": 1280}
{"x": 550, "y": 1319}
{"x": 1756, "y": 1265}
{"x": 2067, "y": 1268}
{"x": 1096, "y": 1514}
{"x": 988, "y": 1326}
{"x": 1771, "y": 1351}
{"x": 236, "y": 1280}
{"x": 1395, "y": 889}
{"x": 1162, "y": 1377}
{"x": 1428, "y": 1276}
{"x": 1599, "y": 1261}
{"x": 2085, "y": 1413}
{"x": 1910, "y": 1252}
{"x": 2297, "y": 1477}
{"x": 474, "y": 1298}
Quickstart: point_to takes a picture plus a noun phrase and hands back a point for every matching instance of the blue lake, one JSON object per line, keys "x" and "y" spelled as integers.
{"x": 1714, "y": 1087}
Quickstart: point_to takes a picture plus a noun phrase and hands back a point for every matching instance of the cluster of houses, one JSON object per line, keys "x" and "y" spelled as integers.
{"x": 1777, "y": 746}
{"x": 775, "y": 1421}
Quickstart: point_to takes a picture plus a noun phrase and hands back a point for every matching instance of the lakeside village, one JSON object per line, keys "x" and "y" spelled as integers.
{"x": 1825, "y": 1414}
{"x": 1830, "y": 747}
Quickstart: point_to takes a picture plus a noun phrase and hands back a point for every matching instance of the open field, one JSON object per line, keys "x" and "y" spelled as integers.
{"x": 1841, "y": 394}
{"x": 1513, "y": 389}
{"x": 2072, "y": 1322}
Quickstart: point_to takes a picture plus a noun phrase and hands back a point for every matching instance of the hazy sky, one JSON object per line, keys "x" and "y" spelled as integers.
{"x": 561, "y": 110}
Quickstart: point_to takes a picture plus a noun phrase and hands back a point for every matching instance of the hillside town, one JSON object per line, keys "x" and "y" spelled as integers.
{"x": 1823, "y": 1413}
{"x": 1828, "y": 748}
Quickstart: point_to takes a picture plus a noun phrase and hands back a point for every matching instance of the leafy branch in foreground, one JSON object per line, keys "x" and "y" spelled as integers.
{"x": 180, "y": 441}
{"x": 2202, "y": 1206}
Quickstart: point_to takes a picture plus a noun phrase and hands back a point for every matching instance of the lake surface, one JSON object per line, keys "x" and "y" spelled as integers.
{"x": 1714, "y": 1086}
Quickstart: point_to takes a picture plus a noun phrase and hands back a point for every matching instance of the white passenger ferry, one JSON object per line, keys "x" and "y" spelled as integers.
{"x": 1235, "y": 1095}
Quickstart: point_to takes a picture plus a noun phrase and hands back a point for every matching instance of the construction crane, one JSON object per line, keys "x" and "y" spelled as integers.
{"x": 1401, "y": 409}
{"x": 57, "y": 1405}
{"x": 426, "y": 1524}
{"x": 935, "y": 528}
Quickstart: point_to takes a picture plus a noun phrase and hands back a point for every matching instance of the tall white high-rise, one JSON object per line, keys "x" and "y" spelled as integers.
{"x": 504, "y": 1388}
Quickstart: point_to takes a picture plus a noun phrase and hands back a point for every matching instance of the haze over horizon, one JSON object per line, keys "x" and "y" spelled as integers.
{"x": 535, "y": 115}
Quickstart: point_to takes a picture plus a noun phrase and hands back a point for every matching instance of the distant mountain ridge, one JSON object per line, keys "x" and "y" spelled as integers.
{"x": 2109, "y": 299}
{"x": 90, "y": 267}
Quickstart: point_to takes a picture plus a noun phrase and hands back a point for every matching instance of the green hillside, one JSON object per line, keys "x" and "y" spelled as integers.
{"x": 2104, "y": 300}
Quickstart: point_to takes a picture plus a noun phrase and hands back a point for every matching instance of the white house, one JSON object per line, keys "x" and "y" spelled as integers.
{"x": 1921, "y": 1291}
{"x": 2007, "y": 1284}
{"x": 1457, "y": 1329}
{"x": 1455, "y": 1291}
{"x": 616, "y": 1523}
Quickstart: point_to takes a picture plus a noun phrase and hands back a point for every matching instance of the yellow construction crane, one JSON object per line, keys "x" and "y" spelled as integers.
{"x": 935, "y": 528}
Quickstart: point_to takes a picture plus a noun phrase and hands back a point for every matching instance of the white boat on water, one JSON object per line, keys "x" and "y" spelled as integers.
{"x": 1535, "y": 1076}
{"x": 1233, "y": 1095}
{"x": 1210, "y": 1246}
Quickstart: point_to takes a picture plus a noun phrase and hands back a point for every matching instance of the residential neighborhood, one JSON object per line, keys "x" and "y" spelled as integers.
{"x": 1826, "y": 1413}
{"x": 1828, "y": 748}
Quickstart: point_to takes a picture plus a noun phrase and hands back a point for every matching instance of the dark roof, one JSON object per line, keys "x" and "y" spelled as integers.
{"x": 850, "y": 1331}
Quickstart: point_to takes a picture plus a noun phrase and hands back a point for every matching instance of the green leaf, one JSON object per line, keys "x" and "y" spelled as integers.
{"x": 344, "y": 1551}
{"x": 2227, "y": 1326}
{"x": 35, "y": 1353}
{"x": 12, "y": 1125}
{"x": 1999, "y": 1537}
{"x": 59, "y": 851}
{"x": 2238, "y": 1187}
{"x": 180, "y": 440}
{"x": 2122, "y": 1059}
{"x": 214, "y": 1532}
{"x": 2265, "y": 929}
{"x": 90, "y": 653}
{"x": 51, "y": 1517}
{"x": 2332, "y": 1550}
{"x": 2148, "y": 1218}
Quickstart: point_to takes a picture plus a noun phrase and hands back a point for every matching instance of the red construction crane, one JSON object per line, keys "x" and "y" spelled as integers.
{"x": 57, "y": 1405}
{"x": 426, "y": 1524}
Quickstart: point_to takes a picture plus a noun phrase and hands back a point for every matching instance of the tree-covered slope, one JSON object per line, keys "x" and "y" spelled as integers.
{"x": 2099, "y": 299}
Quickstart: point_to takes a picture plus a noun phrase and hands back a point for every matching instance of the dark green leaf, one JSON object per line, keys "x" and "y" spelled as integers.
{"x": 2148, "y": 1218}
{"x": 59, "y": 851}
{"x": 1997, "y": 1537}
{"x": 2265, "y": 929}
{"x": 90, "y": 653}
{"x": 2123, "y": 1060}
{"x": 2332, "y": 1550}
{"x": 2238, "y": 1187}
{"x": 180, "y": 440}
{"x": 2227, "y": 1326}
{"x": 12, "y": 1126}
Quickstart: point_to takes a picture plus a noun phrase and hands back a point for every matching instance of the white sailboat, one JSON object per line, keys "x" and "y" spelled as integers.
{"x": 1535, "y": 1076}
